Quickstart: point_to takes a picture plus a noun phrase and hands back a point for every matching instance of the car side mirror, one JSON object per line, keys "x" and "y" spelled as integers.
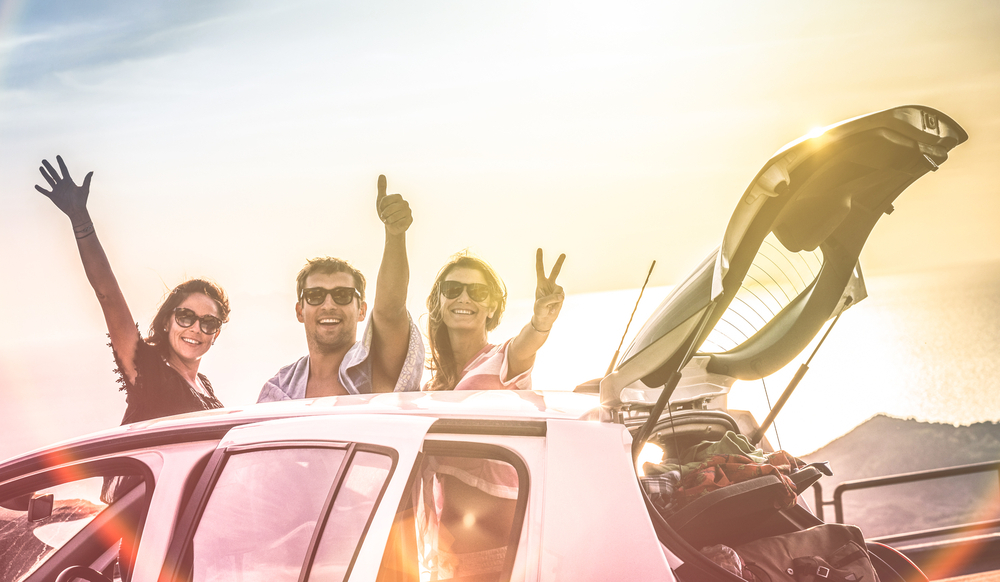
{"x": 40, "y": 507}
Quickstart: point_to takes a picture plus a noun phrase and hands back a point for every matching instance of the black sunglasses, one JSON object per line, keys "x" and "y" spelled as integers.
{"x": 478, "y": 292}
{"x": 341, "y": 295}
{"x": 209, "y": 324}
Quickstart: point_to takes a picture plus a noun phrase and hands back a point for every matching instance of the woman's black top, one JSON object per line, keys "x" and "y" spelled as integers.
{"x": 160, "y": 390}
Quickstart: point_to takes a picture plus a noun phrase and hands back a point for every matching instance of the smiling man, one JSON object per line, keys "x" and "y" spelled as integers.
{"x": 331, "y": 303}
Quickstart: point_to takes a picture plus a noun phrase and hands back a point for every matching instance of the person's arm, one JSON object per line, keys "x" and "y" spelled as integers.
{"x": 390, "y": 322}
{"x": 548, "y": 302}
{"x": 72, "y": 201}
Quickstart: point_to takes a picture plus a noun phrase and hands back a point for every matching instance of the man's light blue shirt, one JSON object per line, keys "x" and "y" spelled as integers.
{"x": 355, "y": 371}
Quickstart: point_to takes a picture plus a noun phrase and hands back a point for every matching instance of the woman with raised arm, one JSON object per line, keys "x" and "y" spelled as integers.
{"x": 159, "y": 373}
{"x": 466, "y": 302}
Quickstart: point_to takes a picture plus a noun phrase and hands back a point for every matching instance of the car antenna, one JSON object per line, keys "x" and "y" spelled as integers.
{"x": 614, "y": 358}
{"x": 668, "y": 388}
{"x": 759, "y": 434}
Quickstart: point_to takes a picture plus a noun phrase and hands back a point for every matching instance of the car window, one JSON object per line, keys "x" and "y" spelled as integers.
{"x": 350, "y": 515}
{"x": 461, "y": 520}
{"x": 36, "y": 524}
{"x": 261, "y": 514}
{"x": 775, "y": 278}
{"x": 268, "y": 506}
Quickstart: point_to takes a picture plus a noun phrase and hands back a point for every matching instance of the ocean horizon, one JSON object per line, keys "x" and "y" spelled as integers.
{"x": 922, "y": 346}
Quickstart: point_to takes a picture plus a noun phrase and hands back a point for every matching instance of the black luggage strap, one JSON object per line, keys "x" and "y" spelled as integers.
{"x": 816, "y": 568}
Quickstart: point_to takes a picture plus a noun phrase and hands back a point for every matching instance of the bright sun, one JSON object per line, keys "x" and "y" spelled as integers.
{"x": 816, "y": 132}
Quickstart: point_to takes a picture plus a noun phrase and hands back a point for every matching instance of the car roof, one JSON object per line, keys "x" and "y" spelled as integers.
{"x": 486, "y": 406}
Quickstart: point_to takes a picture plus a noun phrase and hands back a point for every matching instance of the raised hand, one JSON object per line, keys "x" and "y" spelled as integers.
{"x": 390, "y": 320}
{"x": 392, "y": 210}
{"x": 65, "y": 194}
{"x": 548, "y": 296}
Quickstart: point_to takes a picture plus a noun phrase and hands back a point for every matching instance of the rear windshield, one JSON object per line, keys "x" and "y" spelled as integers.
{"x": 775, "y": 278}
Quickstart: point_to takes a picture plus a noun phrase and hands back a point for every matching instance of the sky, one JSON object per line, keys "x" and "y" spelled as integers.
{"x": 235, "y": 140}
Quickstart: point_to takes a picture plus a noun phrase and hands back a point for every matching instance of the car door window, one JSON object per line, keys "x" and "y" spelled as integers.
{"x": 274, "y": 512}
{"x": 350, "y": 515}
{"x": 262, "y": 512}
{"x": 461, "y": 520}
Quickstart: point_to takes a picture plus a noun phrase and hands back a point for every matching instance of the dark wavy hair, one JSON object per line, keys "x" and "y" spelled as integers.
{"x": 442, "y": 359}
{"x": 158, "y": 328}
{"x": 328, "y": 266}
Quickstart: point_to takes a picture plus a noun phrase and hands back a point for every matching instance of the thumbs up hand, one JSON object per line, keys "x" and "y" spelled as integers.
{"x": 392, "y": 210}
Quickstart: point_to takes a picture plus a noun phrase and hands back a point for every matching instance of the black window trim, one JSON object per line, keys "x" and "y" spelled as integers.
{"x": 293, "y": 444}
{"x": 119, "y": 445}
{"x": 489, "y": 426}
{"x": 324, "y": 514}
{"x": 320, "y": 528}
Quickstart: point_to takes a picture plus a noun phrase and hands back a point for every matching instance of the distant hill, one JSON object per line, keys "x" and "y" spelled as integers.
{"x": 884, "y": 446}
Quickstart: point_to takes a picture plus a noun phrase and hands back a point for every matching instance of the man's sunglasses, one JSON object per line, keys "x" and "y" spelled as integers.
{"x": 478, "y": 292}
{"x": 209, "y": 324}
{"x": 341, "y": 295}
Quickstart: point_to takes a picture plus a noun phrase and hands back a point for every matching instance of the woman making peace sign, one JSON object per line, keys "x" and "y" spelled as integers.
{"x": 466, "y": 302}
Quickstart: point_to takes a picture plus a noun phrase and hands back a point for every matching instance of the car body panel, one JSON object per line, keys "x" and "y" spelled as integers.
{"x": 497, "y": 404}
{"x": 560, "y": 532}
{"x": 179, "y": 463}
{"x": 609, "y": 536}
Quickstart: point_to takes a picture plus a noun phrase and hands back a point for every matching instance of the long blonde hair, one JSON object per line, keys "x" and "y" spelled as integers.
{"x": 441, "y": 363}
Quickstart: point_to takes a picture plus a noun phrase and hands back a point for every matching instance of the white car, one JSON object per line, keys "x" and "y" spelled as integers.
{"x": 539, "y": 485}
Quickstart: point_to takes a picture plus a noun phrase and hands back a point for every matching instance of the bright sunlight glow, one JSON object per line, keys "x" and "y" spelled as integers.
{"x": 816, "y": 132}
{"x": 650, "y": 453}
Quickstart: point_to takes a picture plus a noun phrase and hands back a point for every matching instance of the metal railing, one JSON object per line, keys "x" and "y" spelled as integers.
{"x": 857, "y": 484}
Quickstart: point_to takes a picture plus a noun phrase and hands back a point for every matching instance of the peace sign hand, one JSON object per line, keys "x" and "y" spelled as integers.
{"x": 65, "y": 194}
{"x": 392, "y": 210}
{"x": 548, "y": 296}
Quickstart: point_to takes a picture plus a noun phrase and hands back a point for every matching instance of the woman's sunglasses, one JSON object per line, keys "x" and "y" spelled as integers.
{"x": 341, "y": 295}
{"x": 478, "y": 292}
{"x": 209, "y": 324}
